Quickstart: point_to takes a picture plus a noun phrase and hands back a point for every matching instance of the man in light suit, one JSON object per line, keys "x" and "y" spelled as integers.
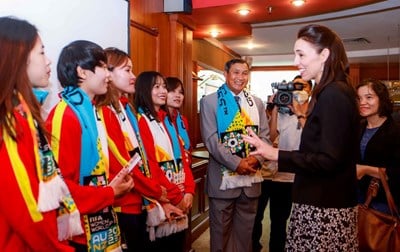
{"x": 232, "y": 184}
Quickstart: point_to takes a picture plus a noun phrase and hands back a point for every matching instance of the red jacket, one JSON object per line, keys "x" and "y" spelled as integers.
{"x": 89, "y": 199}
{"x": 173, "y": 192}
{"x": 18, "y": 232}
{"x": 186, "y": 157}
{"x": 132, "y": 202}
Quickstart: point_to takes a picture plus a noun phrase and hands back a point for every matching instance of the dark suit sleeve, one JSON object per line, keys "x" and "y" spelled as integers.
{"x": 328, "y": 138}
{"x": 393, "y": 169}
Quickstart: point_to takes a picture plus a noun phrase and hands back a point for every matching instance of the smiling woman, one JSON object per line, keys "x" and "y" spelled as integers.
{"x": 324, "y": 161}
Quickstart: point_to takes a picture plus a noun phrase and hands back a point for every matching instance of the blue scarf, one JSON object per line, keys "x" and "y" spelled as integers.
{"x": 182, "y": 131}
{"x": 228, "y": 112}
{"x": 40, "y": 94}
{"x": 174, "y": 138}
{"x": 80, "y": 103}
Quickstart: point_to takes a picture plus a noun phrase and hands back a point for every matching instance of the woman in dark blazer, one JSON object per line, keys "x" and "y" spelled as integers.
{"x": 324, "y": 214}
{"x": 379, "y": 142}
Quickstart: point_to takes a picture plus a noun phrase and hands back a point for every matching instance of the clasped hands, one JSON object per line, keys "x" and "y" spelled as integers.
{"x": 178, "y": 211}
{"x": 248, "y": 166}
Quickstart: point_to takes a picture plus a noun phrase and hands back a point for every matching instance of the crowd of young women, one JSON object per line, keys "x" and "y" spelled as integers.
{"x": 68, "y": 177}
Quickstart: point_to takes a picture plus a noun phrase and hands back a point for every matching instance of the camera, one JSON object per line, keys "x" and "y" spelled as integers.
{"x": 284, "y": 95}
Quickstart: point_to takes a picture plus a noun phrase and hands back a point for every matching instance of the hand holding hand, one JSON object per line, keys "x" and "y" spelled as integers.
{"x": 253, "y": 162}
{"x": 171, "y": 211}
{"x": 244, "y": 168}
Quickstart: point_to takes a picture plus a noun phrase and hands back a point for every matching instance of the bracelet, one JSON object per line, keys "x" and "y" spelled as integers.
{"x": 301, "y": 116}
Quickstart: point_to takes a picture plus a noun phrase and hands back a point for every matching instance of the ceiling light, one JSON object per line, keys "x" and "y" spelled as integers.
{"x": 250, "y": 45}
{"x": 214, "y": 33}
{"x": 298, "y": 2}
{"x": 243, "y": 12}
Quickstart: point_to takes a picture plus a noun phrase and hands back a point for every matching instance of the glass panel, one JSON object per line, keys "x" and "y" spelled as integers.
{"x": 209, "y": 83}
{"x": 260, "y": 81}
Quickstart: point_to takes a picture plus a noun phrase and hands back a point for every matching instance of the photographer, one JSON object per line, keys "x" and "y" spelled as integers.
{"x": 288, "y": 108}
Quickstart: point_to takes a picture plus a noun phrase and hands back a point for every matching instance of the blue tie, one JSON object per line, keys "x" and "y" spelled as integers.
{"x": 237, "y": 99}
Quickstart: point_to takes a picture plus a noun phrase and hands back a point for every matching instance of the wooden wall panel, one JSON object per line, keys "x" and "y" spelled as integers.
{"x": 144, "y": 58}
{"x": 210, "y": 54}
{"x": 355, "y": 74}
{"x": 165, "y": 58}
{"x": 380, "y": 71}
{"x": 145, "y": 11}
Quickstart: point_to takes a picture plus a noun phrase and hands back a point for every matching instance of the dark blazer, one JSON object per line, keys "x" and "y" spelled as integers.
{"x": 219, "y": 155}
{"x": 325, "y": 165}
{"x": 383, "y": 150}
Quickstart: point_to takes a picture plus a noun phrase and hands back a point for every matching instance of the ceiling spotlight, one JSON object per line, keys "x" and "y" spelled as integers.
{"x": 243, "y": 12}
{"x": 250, "y": 45}
{"x": 214, "y": 33}
{"x": 298, "y": 3}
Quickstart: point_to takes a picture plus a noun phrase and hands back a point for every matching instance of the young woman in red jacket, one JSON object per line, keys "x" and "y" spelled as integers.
{"x": 164, "y": 149}
{"x": 129, "y": 208}
{"x": 32, "y": 218}
{"x": 81, "y": 147}
{"x": 175, "y": 97}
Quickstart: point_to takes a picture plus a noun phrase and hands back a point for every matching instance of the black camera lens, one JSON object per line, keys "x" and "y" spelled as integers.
{"x": 284, "y": 98}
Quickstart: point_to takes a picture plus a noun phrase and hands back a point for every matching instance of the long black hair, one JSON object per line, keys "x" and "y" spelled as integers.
{"x": 144, "y": 85}
{"x": 336, "y": 67}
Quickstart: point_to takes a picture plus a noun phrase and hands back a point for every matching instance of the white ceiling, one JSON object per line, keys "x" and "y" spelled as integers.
{"x": 378, "y": 23}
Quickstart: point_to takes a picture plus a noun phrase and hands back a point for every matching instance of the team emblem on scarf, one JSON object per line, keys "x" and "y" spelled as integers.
{"x": 53, "y": 192}
{"x": 232, "y": 122}
{"x": 101, "y": 228}
{"x": 169, "y": 157}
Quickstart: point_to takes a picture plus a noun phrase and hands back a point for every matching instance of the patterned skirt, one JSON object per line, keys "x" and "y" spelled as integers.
{"x": 322, "y": 229}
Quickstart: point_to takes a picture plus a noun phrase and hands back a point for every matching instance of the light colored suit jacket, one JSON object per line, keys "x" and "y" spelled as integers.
{"x": 220, "y": 155}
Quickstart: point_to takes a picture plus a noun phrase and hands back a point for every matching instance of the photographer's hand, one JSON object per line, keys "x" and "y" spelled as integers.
{"x": 273, "y": 124}
{"x": 300, "y": 110}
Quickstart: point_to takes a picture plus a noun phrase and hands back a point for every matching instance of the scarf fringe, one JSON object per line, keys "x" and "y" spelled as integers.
{"x": 155, "y": 216}
{"x": 50, "y": 193}
{"x": 69, "y": 225}
{"x": 167, "y": 228}
{"x": 158, "y": 226}
{"x": 237, "y": 181}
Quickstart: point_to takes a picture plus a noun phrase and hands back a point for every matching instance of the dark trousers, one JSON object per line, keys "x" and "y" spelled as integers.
{"x": 133, "y": 231}
{"x": 171, "y": 243}
{"x": 280, "y": 196}
{"x": 78, "y": 247}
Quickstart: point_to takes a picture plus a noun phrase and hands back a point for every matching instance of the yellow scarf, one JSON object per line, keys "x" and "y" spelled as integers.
{"x": 101, "y": 228}
{"x": 53, "y": 192}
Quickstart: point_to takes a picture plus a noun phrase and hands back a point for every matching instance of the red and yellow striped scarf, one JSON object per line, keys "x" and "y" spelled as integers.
{"x": 53, "y": 192}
